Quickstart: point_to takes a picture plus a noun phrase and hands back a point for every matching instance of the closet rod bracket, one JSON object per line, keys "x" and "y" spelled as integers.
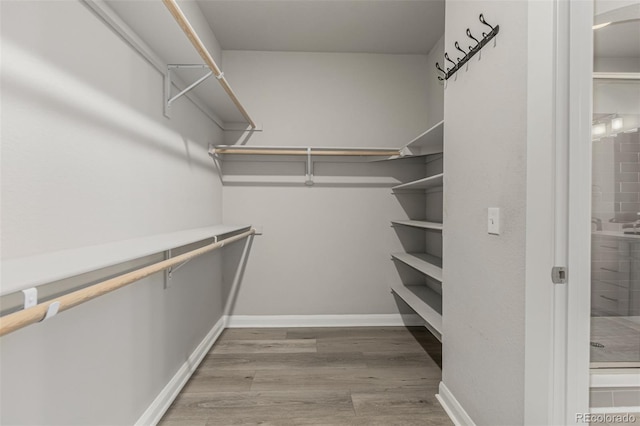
{"x": 168, "y": 273}
{"x": 168, "y": 99}
{"x": 309, "y": 178}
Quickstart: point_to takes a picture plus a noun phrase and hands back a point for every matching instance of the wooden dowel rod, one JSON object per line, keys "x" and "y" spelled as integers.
{"x": 20, "y": 319}
{"x": 191, "y": 34}
{"x": 303, "y": 151}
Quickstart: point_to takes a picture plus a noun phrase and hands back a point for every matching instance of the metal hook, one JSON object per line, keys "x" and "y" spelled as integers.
{"x": 472, "y": 37}
{"x": 440, "y": 69}
{"x": 457, "y": 45}
{"x": 446, "y": 56}
{"x": 481, "y": 17}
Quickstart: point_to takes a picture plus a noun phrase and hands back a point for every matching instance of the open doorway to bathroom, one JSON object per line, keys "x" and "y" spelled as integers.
{"x": 615, "y": 243}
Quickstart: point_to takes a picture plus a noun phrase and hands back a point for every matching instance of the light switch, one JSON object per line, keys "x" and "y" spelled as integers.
{"x": 493, "y": 221}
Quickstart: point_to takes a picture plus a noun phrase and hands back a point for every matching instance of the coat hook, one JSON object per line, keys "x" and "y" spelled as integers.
{"x": 485, "y": 22}
{"x": 446, "y": 56}
{"x": 457, "y": 45}
{"x": 472, "y": 37}
{"x": 440, "y": 69}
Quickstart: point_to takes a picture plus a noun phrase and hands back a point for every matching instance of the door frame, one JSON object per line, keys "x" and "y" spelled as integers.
{"x": 557, "y": 316}
{"x": 578, "y": 315}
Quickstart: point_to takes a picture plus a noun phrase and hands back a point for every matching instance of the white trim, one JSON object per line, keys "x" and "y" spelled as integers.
{"x": 578, "y": 290}
{"x": 616, "y": 379}
{"x": 454, "y": 410}
{"x": 540, "y": 214}
{"x": 162, "y": 402}
{"x": 365, "y": 320}
{"x": 614, "y": 410}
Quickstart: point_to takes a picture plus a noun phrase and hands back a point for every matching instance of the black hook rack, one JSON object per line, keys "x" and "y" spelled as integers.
{"x": 472, "y": 49}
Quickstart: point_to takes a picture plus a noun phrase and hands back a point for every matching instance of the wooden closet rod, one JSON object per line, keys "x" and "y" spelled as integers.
{"x": 191, "y": 34}
{"x": 304, "y": 151}
{"x": 20, "y": 319}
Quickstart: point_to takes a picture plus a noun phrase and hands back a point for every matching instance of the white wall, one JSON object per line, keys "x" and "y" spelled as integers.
{"x": 330, "y": 99}
{"x": 87, "y": 158}
{"x": 485, "y": 166}
{"x": 325, "y": 249}
{"x": 435, "y": 88}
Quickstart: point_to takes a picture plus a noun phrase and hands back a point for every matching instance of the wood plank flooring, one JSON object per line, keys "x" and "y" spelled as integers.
{"x": 315, "y": 376}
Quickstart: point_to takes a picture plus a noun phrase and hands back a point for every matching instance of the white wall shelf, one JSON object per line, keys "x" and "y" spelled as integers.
{"x": 423, "y": 262}
{"x": 429, "y": 142}
{"x": 31, "y": 271}
{"x": 419, "y": 224}
{"x": 236, "y": 154}
{"x": 297, "y": 151}
{"x": 424, "y": 299}
{"x": 425, "y": 302}
{"x": 424, "y": 183}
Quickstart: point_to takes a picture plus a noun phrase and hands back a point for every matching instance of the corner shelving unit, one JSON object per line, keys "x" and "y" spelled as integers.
{"x": 424, "y": 293}
{"x": 424, "y": 183}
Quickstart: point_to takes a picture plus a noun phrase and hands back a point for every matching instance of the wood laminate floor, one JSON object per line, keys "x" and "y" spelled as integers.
{"x": 315, "y": 376}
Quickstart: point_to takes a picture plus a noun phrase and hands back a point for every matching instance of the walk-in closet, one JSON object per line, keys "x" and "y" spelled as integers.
{"x": 329, "y": 212}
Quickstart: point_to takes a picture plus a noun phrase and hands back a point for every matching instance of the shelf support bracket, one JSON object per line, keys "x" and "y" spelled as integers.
{"x": 168, "y": 99}
{"x": 216, "y": 161}
{"x": 309, "y": 177}
{"x": 168, "y": 273}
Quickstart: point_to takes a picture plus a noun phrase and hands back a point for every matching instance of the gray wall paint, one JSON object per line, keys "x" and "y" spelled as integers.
{"x": 325, "y": 250}
{"x": 87, "y": 158}
{"x": 330, "y": 99}
{"x": 435, "y": 87}
{"x": 485, "y": 166}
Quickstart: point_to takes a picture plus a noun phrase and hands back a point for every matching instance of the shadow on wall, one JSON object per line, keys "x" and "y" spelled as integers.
{"x": 28, "y": 78}
{"x": 235, "y": 258}
{"x": 237, "y": 137}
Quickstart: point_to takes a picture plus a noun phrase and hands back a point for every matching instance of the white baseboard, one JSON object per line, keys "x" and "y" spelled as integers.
{"x": 373, "y": 320}
{"x": 161, "y": 403}
{"x": 454, "y": 410}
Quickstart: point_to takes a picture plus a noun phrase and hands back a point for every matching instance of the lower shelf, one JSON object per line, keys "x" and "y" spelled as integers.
{"x": 426, "y": 302}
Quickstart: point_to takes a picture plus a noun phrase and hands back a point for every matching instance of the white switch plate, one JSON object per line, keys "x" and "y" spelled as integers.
{"x": 493, "y": 221}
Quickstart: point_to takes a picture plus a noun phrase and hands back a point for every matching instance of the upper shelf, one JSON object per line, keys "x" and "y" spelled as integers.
{"x": 419, "y": 224}
{"x": 302, "y": 151}
{"x": 150, "y": 28}
{"x": 31, "y": 271}
{"x": 425, "y": 183}
{"x": 429, "y": 142}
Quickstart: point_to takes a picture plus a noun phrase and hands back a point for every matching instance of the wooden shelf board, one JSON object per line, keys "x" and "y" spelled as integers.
{"x": 419, "y": 224}
{"x": 425, "y": 263}
{"x": 31, "y": 271}
{"x": 424, "y": 183}
{"x": 425, "y": 302}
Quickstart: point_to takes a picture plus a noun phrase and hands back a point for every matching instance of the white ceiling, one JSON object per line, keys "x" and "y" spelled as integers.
{"x": 621, "y": 38}
{"x": 369, "y": 26}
